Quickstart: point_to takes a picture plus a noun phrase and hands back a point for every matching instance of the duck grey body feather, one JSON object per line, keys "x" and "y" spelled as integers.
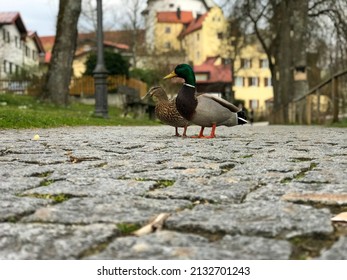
{"x": 213, "y": 110}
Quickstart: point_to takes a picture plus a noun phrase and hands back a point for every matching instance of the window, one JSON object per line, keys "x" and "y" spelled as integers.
{"x": 264, "y": 63}
{"x": 167, "y": 29}
{"x": 246, "y": 63}
{"x": 27, "y": 51}
{"x": 197, "y": 36}
{"x": 16, "y": 41}
{"x": 6, "y": 36}
{"x": 5, "y": 66}
{"x": 254, "y": 104}
{"x": 34, "y": 53}
{"x": 11, "y": 68}
{"x": 267, "y": 82}
{"x": 201, "y": 76}
{"x": 167, "y": 45}
{"x": 253, "y": 81}
{"x": 220, "y": 35}
{"x": 239, "y": 81}
{"x": 197, "y": 55}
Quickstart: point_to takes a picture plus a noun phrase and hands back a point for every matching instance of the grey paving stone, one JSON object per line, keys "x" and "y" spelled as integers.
{"x": 174, "y": 245}
{"x": 14, "y": 207}
{"x": 221, "y": 190}
{"x": 247, "y": 247}
{"x": 233, "y": 187}
{"x": 275, "y": 219}
{"x": 48, "y": 241}
{"x": 94, "y": 186}
{"x": 107, "y": 209}
{"x": 337, "y": 252}
{"x": 15, "y": 184}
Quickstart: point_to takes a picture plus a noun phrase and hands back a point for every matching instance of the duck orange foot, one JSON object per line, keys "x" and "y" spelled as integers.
{"x": 201, "y": 133}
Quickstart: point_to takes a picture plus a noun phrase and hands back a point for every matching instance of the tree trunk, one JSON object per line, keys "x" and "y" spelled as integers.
{"x": 290, "y": 19}
{"x": 56, "y": 88}
{"x": 299, "y": 45}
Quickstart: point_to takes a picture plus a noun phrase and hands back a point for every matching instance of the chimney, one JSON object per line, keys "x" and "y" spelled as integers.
{"x": 178, "y": 13}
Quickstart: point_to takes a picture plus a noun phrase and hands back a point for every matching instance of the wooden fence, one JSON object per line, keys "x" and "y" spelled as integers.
{"x": 84, "y": 86}
{"x": 325, "y": 102}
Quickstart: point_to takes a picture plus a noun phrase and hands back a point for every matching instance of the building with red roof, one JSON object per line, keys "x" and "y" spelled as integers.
{"x": 178, "y": 16}
{"x": 115, "y": 41}
{"x": 214, "y": 76}
{"x": 20, "y": 48}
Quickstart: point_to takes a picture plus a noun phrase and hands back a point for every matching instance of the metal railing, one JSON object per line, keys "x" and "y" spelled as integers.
{"x": 15, "y": 86}
{"x": 326, "y": 102}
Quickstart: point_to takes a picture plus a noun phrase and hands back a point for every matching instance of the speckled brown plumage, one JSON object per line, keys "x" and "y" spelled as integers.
{"x": 165, "y": 110}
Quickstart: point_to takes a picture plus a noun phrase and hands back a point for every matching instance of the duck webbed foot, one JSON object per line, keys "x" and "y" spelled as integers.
{"x": 184, "y": 132}
{"x": 176, "y": 132}
{"x": 201, "y": 133}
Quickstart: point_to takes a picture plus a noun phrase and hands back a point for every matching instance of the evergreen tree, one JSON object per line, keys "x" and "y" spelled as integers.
{"x": 114, "y": 63}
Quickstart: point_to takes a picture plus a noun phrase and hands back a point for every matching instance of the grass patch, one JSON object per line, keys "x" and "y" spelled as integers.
{"x": 342, "y": 123}
{"x": 46, "y": 183}
{"x": 165, "y": 183}
{"x": 247, "y": 156}
{"x": 22, "y": 111}
{"x": 127, "y": 229}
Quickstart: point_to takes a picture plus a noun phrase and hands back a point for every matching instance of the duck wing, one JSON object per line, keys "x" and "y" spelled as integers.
{"x": 221, "y": 101}
{"x": 213, "y": 110}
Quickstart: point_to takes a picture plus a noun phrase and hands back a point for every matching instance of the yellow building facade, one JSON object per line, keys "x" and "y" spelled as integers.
{"x": 167, "y": 30}
{"x": 252, "y": 78}
{"x": 203, "y": 37}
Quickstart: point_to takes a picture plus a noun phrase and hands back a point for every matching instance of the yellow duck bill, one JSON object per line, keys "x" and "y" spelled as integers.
{"x": 171, "y": 75}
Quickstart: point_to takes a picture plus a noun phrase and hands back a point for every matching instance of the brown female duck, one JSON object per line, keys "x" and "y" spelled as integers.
{"x": 165, "y": 110}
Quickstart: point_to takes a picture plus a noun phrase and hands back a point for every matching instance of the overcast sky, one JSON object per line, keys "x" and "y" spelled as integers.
{"x": 40, "y": 15}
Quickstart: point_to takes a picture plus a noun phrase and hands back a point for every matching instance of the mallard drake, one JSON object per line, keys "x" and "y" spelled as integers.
{"x": 165, "y": 110}
{"x": 204, "y": 109}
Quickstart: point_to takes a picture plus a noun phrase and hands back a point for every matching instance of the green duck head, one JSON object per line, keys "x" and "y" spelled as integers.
{"x": 183, "y": 71}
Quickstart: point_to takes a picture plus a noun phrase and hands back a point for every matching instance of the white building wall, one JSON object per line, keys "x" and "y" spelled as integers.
{"x": 11, "y": 54}
{"x": 15, "y": 53}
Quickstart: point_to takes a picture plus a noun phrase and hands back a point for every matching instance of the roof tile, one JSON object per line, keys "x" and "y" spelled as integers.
{"x": 172, "y": 17}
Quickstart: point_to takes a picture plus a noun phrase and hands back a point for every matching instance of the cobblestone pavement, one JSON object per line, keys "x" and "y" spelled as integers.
{"x": 261, "y": 192}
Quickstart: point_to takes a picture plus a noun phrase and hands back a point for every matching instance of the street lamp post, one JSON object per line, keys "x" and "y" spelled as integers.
{"x": 100, "y": 71}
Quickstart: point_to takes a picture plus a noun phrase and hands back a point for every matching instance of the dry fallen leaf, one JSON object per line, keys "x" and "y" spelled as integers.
{"x": 342, "y": 217}
{"x": 324, "y": 198}
{"x": 154, "y": 225}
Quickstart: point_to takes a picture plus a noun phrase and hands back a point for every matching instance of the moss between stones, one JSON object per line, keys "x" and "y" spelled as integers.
{"x": 127, "y": 229}
{"x": 42, "y": 175}
{"x": 299, "y": 175}
{"x": 308, "y": 247}
{"x": 57, "y": 198}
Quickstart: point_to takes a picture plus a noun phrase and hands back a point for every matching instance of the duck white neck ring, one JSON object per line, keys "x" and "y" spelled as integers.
{"x": 188, "y": 85}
